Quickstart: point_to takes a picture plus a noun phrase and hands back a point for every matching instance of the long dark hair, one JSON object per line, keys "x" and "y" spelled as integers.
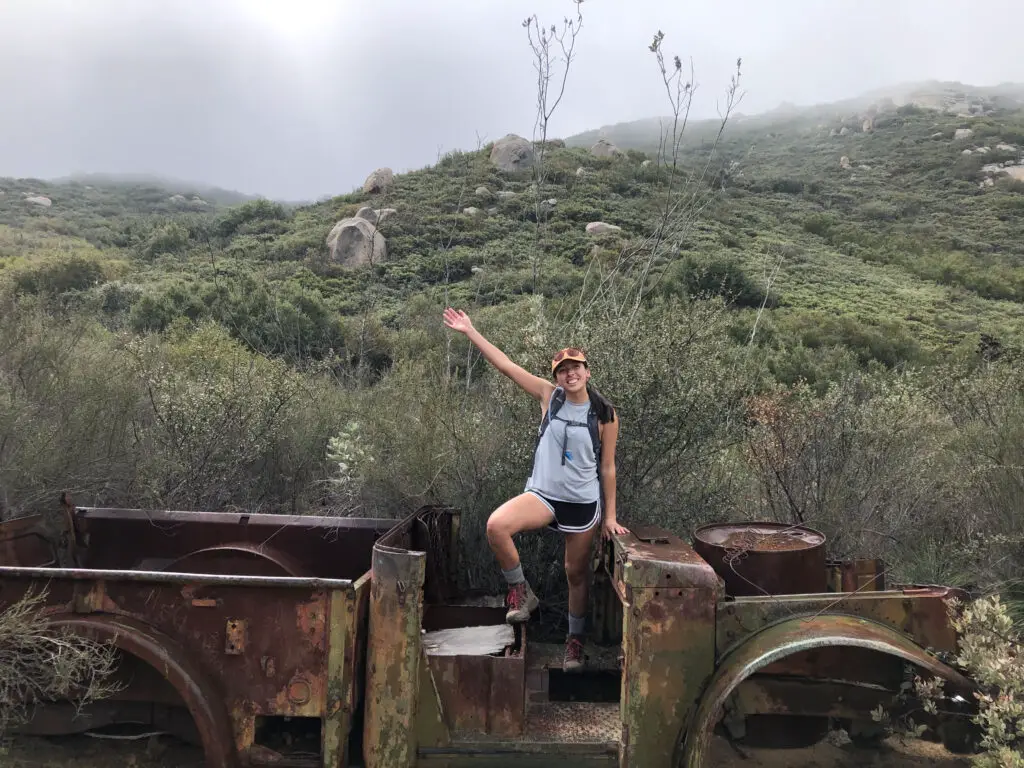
{"x": 602, "y": 405}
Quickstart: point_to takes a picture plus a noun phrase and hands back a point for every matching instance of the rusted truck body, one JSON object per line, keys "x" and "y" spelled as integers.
{"x": 676, "y": 656}
{"x": 242, "y": 633}
{"x": 306, "y": 641}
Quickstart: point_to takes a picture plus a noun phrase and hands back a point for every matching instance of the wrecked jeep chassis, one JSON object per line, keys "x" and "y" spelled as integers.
{"x": 307, "y": 641}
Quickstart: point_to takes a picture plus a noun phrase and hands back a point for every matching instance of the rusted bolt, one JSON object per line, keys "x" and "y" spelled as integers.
{"x": 299, "y": 691}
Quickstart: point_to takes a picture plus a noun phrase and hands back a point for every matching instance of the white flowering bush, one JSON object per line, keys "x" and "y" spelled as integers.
{"x": 347, "y": 452}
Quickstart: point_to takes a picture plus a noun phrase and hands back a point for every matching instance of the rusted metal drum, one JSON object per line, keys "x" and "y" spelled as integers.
{"x": 764, "y": 558}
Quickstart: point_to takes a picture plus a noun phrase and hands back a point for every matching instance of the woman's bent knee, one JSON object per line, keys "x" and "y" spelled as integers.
{"x": 497, "y": 527}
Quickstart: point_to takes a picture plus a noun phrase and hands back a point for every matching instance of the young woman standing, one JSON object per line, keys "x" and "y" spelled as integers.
{"x": 571, "y": 487}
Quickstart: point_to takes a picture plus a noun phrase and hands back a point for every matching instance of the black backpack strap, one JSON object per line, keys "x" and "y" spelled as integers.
{"x": 554, "y": 404}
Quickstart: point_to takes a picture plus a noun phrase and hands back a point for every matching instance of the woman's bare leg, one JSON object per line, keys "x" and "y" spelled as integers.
{"x": 578, "y": 547}
{"x": 525, "y": 512}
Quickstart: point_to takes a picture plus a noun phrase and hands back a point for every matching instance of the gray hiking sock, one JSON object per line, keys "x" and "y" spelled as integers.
{"x": 514, "y": 575}
{"x": 576, "y": 624}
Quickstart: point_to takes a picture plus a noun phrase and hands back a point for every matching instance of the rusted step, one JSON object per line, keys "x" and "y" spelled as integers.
{"x": 560, "y": 734}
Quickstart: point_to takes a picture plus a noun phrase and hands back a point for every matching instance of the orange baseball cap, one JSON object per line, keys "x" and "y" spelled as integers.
{"x": 569, "y": 353}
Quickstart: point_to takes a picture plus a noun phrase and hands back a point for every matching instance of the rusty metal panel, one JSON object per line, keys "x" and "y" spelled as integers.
{"x": 669, "y": 653}
{"x": 668, "y": 598}
{"x": 861, "y": 575}
{"x": 795, "y": 636}
{"x": 431, "y": 730}
{"x": 481, "y": 693}
{"x": 760, "y": 695}
{"x": 324, "y": 546}
{"x": 920, "y": 613}
{"x": 261, "y": 642}
{"x": 27, "y": 541}
{"x": 338, "y": 705}
{"x": 654, "y": 557}
{"x": 464, "y": 685}
{"x": 393, "y": 656}
{"x": 507, "y": 707}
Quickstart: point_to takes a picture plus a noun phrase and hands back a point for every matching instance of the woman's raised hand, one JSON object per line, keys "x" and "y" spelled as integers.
{"x": 457, "y": 320}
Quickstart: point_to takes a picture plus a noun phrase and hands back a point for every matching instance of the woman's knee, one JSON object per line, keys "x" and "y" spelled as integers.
{"x": 576, "y": 571}
{"x": 500, "y": 525}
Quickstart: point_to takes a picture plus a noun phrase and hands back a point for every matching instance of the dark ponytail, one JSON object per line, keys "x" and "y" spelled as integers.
{"x": 602, "y": 406}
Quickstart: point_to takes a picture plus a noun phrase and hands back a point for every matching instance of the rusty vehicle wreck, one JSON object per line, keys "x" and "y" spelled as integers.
{"x": 313, "y": 641}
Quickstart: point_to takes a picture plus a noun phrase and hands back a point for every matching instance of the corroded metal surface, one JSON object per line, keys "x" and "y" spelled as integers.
{"x": 163, "y": 653}
{"x": 797, "y": 696}
{"x": 327, "y": 547}
{"x": 764, "y": 558}
{"x": 669, "y": 595}
{"x": 795, "y": 636}
{"x": 920, "y": 613}
{"x": 394, "y": 653}
{"x": 654, "y": 557}
{"x": 25, "y": 541}
{"x": 241, "y": 559}
{"x": 270, "y": 646}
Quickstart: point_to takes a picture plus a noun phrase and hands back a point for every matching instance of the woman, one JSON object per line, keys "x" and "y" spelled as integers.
{"x": 571, "y": 485}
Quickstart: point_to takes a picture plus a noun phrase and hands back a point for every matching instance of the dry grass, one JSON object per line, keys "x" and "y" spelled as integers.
{"x": 40, "y": 662}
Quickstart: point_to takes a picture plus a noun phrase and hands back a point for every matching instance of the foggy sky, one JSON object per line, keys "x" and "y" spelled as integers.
{"x": 296, "y": 99}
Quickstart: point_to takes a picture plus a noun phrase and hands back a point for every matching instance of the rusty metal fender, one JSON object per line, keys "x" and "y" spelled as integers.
{"x": 168, "y": 658}
{"x": 784, "y": 639}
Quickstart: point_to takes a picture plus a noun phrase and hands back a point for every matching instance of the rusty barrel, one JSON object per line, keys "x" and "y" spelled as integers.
{"x": 764, "y": 558}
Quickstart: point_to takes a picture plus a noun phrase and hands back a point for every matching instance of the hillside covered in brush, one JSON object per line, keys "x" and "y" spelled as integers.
{"x": 893, "y": 244}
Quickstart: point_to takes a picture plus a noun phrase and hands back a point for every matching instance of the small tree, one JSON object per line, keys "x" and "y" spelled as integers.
{"x": 553, "y": 49}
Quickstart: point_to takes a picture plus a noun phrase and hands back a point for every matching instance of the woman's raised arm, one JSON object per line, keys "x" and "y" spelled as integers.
{"x": 535, "y": 386}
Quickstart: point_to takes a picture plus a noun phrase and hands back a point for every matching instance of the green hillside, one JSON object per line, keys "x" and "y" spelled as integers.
{"x": 898, "y": 258}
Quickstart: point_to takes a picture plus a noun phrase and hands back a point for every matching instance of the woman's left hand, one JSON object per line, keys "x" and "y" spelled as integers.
{"x": 612, "y": 528}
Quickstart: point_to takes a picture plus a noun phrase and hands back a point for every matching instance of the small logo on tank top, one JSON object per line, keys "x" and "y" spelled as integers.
{"x": 568, "y": 455}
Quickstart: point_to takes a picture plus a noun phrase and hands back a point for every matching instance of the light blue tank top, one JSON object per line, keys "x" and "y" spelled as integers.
{"x": 575, "y": 479}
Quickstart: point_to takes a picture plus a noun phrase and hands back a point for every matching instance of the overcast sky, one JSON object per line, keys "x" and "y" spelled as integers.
{"x": 296, "y": 99}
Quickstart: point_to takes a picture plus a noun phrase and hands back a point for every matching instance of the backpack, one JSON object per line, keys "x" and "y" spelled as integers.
{"x": 554, "y": 405}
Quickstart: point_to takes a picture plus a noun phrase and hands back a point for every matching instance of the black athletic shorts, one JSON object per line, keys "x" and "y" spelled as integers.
{"x": 571, "y": 517}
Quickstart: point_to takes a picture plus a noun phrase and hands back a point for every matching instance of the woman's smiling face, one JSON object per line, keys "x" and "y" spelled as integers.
{"x": 572, "y": 376}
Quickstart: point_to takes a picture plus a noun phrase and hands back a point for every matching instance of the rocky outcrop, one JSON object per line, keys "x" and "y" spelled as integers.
{"x": 45, "y": 202}
{"x": 601, "y": 228}
{"x": 604, "y": 148}
{"x": 513, "y": 153}
{"x": 960, "y": 134}
{"x": 581, "y": 172}
{"x": 381, "y": 180}
{"x": 1016, "y": 172}
{"x": 354, "y": 242}
{"x": 646, "y": 164}
{"x": 484, "y": 193}
{"x": 844, "y": 163}
{"x": 967, "y": 152}
{"x": 1003, "y": 147}
{"x": 844, "y": 131}
{"x": 868, "y": 125}
{"x": 471, "y": 211}
{"x": 375, "y": 215}
{"x": 506, "y": 195}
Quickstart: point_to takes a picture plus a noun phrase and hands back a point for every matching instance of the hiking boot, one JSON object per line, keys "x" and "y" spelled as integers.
{"x": 521, "y": 603}
{"x": 573, "y": 660}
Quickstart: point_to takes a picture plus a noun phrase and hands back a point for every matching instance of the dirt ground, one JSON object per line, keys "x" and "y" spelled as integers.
{"x": 165, "y": 752}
